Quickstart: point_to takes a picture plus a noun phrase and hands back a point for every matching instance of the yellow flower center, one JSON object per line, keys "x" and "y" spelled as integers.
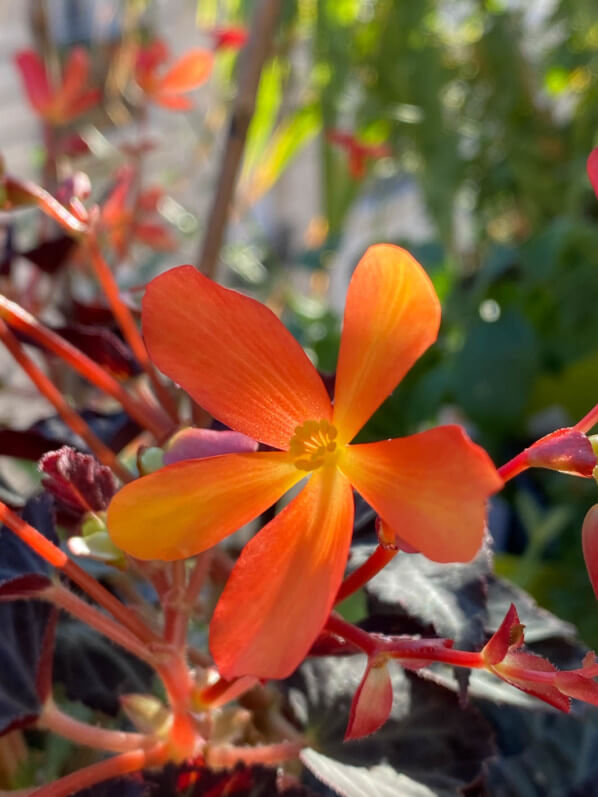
{"x": 313, "y": 443}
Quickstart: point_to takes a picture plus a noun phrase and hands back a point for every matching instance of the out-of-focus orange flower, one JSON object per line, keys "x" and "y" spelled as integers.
{"x": 124, "y": 223}
{"x": 236, "y": 359}
{"x": 169, "y": 88}
{"x": 230, "y": 37}
{"x": 70, "y": 99}
{"x": 358, "y": 152}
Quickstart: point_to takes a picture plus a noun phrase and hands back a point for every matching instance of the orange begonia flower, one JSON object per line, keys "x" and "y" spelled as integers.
{"x": 236, "y": 359}
{"x": 70, "y": 99}
{"x": 186, "y": 74}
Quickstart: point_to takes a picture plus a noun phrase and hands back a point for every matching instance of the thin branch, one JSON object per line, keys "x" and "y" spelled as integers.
{"x": 128, "y": 326}
{"x": 251, "y": 61}
{"x": 47, "y": 388}
{"x": 64, "y": 599}
{"x": 359, "y": 577}
{"x": 123, "y": 764}
{"x": 20, "y": 319}
{"x": 81, "y": 733}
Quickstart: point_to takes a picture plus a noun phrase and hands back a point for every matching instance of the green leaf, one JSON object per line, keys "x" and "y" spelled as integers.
{"x": 496, "y": 369}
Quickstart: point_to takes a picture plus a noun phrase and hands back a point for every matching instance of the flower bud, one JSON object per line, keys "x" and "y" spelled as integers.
{"x": 589, "y": 544}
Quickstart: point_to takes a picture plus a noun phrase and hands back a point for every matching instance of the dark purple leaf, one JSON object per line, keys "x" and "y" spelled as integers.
{"x": 451, "y": 599}
{"x": 429, "y": 739}
{"x": 78, "y": 482}
{"x": 100, "y": 344}
{"x": 115, "y": 429}
{"x": 26, "y": 642}
{"x": 118, "y": 787}
{"x": 103, "y": 346}
{"x": 95, "y": 671}
{"x": 51, "y": 256}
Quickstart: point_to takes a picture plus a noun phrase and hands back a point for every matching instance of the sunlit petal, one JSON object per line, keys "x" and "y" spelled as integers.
{"x": 35, "y": 79}
{"x": 188, "y": 72}
{"x": 283, "y": 586}
{"x": 431, "y": 488}
{"x": 232, "y": 355}
{"x": 392, "y": 315}
{"x": 183, "y": 509}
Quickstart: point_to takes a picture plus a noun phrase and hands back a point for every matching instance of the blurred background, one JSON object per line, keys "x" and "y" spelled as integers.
{"x": 457, "y": 128}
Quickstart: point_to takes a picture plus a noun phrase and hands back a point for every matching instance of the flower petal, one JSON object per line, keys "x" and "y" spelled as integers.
{"x": 431, "y": 488}
{"x": 392, "y": 315}
{"x": 372, "y": 703}
{"x": 185, "y": 508}
{"x": 232, "y": 355}
{"x": 35, "y": 79}
{"x": 285, "y": 580}
{"x": 187, "y": 73}
{"x": 191, "y": 443}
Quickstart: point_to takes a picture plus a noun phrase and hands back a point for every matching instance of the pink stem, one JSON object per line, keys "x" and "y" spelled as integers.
{"x": 588, "y": 421}
{"x": 266, "y": 754}
{"x": 123, "y": 764}
{"x": 65, "y": 599}
{"x": 55, "y": 720}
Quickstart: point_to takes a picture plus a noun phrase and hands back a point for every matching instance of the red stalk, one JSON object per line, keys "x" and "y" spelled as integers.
{"x": 588, "y": 421}
{"x": 365, "y": 572}
{"x": 20, "y": 319}
{"x": 513, "y": 467}
{"x": 265, "y": 754}
{"x": 64, "y": 599}
{"x": 47, "y": 388}
{"x": 128, "y": 326}
{"x": 81, "y": 733}
{"x": 123, "y": 764}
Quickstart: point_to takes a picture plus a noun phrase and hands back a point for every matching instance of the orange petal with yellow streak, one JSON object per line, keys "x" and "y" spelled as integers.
{"x": 185, "y": 508}
{"x": 430, "y": 488}
{"x": 282, "y": 589}
{"x": 232, "y": 355}
{"x": 392, "y": 315}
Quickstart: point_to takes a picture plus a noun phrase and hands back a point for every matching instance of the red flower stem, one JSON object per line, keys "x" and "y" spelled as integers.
{"x": 371, "y": 567}
{"x": 47, "y": 388}
{"x": 20, "y": 319}
{"x": 199, "y": 573}
{"x": 54, "y": 556}
{"x": 228, "y": 756}
{"x": 123, "y": 764}
{"x": 514, "y": 467}
{"x": 128, "y": 326}
{"x": 64, "y": 599}
{"x": 408, "y": 649}
{"x": 176, "y": 614}
{"x": 421, "y": 650}
{"x": 588, "y": 421}
{"x": 81, "y": 733}
{"x": 351, "y": 633}
{"x": 21, "y": 191}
